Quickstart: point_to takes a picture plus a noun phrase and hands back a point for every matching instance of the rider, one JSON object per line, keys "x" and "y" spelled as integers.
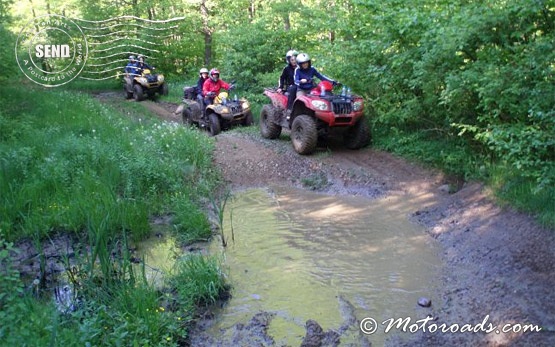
{"x": 203, "y": 76}
{"x": 304, "y": 74}
{"x": 287, "y": 78}
{"x": 131, "y": 66}
{"x": 287, "y": 75}
{"x": 130, "y": 72}
{"x": 141, "y": 64}
{"x": 211, "y": 87}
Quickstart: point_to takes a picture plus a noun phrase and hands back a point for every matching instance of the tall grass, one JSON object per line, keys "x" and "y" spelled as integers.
{"x": 70, "y": 163}
{"x": 457, "y": 158}
{"x": 73, "y": 164}
{"x": 198, "y": 280}
{"x": 126, "y": 314}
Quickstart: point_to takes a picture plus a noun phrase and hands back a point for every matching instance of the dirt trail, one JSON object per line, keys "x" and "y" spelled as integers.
{"x": 496, "y": 262}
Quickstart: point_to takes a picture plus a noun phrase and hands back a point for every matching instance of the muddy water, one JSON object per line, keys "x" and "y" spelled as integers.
{"x": 296, "y": 253}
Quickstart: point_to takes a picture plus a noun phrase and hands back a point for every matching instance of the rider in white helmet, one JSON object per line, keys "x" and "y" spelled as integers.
{"x": 203, "y": 76}
{"x": 305, "y": 73}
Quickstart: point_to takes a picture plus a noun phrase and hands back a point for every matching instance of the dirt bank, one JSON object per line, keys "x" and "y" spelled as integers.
{"x": 496, "y": 262}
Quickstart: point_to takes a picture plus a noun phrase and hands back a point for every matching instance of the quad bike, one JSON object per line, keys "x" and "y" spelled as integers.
{"x": 315, "y": 116}
{"x": 145, "y": 84}
{"x": 221, "y": 115}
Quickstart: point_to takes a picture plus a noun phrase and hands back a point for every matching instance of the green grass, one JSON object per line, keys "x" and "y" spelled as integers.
{"x": 198, "y": 280}
{"x": 521, "y": 193}
{"x": 454, "y": 157}
{"x": 72, "y": 164}
{"x": 130, "y": 313}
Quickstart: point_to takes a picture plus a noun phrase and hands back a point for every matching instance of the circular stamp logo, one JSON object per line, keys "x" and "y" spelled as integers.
{"x": 51, "y": 50}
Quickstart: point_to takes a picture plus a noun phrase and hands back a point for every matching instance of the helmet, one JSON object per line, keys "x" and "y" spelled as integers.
{"x": 214, "y": 72}
{"x": 303, "y": 58}
{"x": 141, "y": 57}
{"x": 203, "y": 70}
{"x": 290, "y": 54}
{"x": 131, "y": 58}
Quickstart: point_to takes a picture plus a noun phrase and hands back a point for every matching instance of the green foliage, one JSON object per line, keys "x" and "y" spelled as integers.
{"x": 198, "y": 279}
{"x": 126, "y": 315}
{"x": 512, "y": 188}
{"x": 8, "y": 64}
{"x": 190, "y": 222}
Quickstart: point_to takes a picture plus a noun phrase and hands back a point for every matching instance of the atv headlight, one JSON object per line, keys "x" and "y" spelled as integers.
{"x": 160, "y": 78}
{"x": 357, "y": 105}
{"x": 143, "y": 80}
{"x": 245, "y": 105}
{"x": 321, "y": 105}
{"x": 224, "y": 110}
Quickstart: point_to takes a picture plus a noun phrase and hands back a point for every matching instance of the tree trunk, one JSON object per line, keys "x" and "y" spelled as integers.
{"x": 286, "y": 22}
{"x": 207, "y": 32}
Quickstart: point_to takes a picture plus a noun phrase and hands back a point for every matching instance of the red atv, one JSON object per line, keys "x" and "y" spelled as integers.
{"x": 315, "y": 116}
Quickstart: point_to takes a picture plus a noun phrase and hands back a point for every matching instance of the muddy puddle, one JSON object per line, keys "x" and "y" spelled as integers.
{"x": 301, "y": 255}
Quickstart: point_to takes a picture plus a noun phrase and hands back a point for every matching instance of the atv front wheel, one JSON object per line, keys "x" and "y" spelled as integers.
{"x": 215, "y": 127}
{"x": 304, "y": 134}
{"x": 248, "y": 119}
{"x": 187, "y": 117}
{"x": 269, "y": 129}
{"x": 164, "y": 89}
{"x": 138, "y": 92}
{"x": 128, "y": 95}
{"x": 358, "y": 135}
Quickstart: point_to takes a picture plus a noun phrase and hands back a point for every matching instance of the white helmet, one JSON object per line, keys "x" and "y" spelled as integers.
{"x": 289, "y": 54}
{"x": 203, "y": 70}
{"x": 303, "y": 58}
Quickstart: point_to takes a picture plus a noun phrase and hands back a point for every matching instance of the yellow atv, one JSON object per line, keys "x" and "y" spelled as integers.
{"x": 221, "y": 115}
{"x": 145, "y": 84}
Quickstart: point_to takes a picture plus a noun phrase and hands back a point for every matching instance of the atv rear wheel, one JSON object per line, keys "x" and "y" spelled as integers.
{"x": 215, "y": 127}
{"x": 248, "y": 119}
{"x": 304, "y": 134}
{"x": 138, "y": 92}
{"x": 269, "y": 129}
{"x": 358, "y": 135}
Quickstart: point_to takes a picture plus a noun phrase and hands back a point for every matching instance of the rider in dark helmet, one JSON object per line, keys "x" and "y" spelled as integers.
{"x": 141, "y": 64}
